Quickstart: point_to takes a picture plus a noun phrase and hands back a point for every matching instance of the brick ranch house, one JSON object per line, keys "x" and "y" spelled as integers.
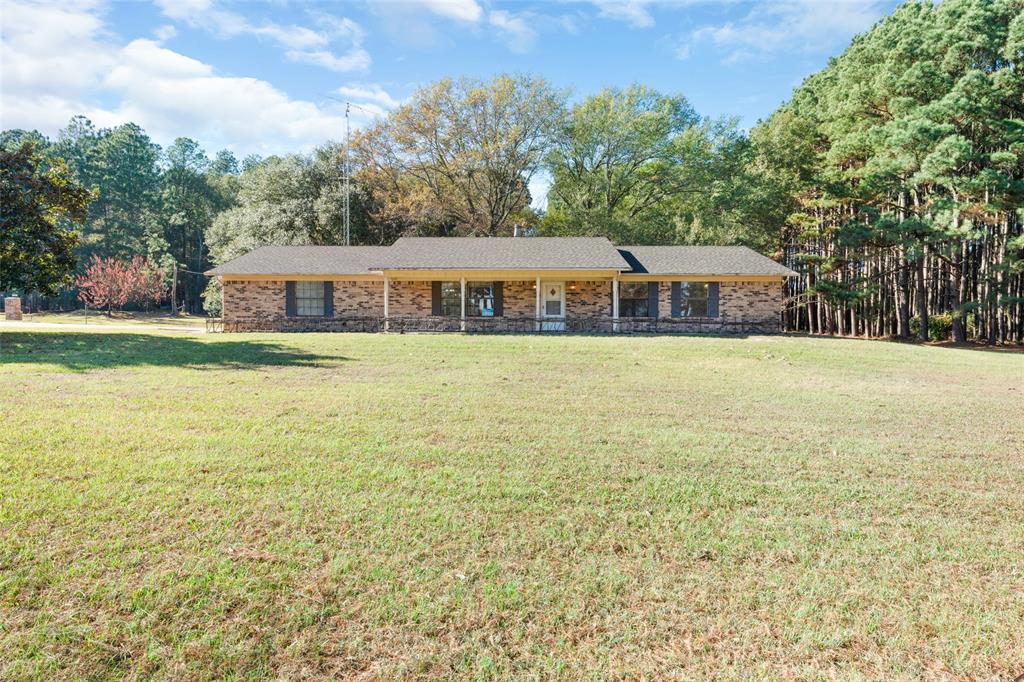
{"x": 517, "y": 284}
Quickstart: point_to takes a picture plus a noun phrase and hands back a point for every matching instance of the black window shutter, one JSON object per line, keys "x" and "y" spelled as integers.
{"x": 328, "y": 299}
{"x": 611, "y": 298}
{"x": 712, "y": 299}
{"x": 289, "y": 299}
{"x": 676, "y": 299}
{"x": 435, "y": 299}
{"x": 652, "y": 299}
{"x": 499, "y": 300}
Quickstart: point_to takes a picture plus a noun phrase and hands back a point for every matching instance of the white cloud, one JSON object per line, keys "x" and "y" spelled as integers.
{"x": 633, "y": 12}
{"x": 336, "y": 26}
{"x": 202, "y": 14}
{"x": 368, "y": 93}
{"x": 184, "y": 9}
{"x": 165, "y": 33}
{"x": 568, "y": 24}
{"x": 422, "y": 24}
{"x": 413, "y": 24}
{"x": 462, "y": 10}
{"x": 808, "y": 25}
{"x": 356, "y": 59}
{"x": 64, "y": 43}
{"x": 518, "y": 34}
{"x": 302, "y": 44}
{"x": 167, "y": 93}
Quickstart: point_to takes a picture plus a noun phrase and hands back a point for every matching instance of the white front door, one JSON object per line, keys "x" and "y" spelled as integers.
{"x": 552, "y": 303}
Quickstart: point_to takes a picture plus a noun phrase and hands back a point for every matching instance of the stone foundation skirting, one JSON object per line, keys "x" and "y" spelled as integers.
{"x": 500, "y": 325}
{"x": 299, "y": 324}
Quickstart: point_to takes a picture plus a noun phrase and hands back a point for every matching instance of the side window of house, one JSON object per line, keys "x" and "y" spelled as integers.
{"x": 451, "y": 295}
{"x": 309, "y": 299}
{"x": 480, "y": 299}
{"x": 633, "y": 299}
{"x": 693, "y": 299}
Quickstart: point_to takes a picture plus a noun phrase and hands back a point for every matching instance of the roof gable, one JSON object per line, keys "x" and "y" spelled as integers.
{"x": 700, "y": 260}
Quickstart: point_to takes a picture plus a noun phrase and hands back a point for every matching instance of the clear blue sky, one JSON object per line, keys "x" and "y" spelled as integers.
{"x": 265, "y": 77}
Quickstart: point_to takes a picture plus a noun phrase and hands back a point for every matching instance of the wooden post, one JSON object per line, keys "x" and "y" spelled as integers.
{"x": 387, "y": 294}
{"x": 462, "y": 301}
{"x": 537, "y": 310}
{"x": 174, "y": 292}
{"x": 615, "y": 303}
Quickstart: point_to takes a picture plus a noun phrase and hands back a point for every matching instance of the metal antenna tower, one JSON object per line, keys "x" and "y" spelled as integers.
{"x": 346, "y": 173}
{"x": 346, "y": 164}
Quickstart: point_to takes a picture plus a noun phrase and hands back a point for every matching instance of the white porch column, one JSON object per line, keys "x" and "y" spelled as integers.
{"x": 537, "y": 311}
{"x": 462, "y": 316}
{"x": 387, "y": 294}
{"x": 615, "y": 303}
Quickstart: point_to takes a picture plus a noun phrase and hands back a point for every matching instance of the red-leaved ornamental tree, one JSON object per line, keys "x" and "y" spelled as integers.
{"x": 104, "y": 284}
{"x": 150, "y": 283}
{"x": 111, "y": 283}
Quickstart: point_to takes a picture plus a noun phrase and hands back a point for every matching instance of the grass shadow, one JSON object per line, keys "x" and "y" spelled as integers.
{"x": 608, "y": 335}
{"x": 117, "y": 317}
{"x": 945, "y": 343}
{"x": 82, "y": 351}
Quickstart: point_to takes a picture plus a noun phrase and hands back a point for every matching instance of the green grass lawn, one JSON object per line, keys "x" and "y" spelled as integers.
{"x": 247, "y": 506}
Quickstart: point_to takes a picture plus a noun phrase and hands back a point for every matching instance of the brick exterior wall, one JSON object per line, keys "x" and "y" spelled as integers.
{"x": 752, "y": 302}
{"x": 410, "y": 298}
{"x": 588, "y": 299}
{"x": 519, "y": 299}
{"x": 664, "y": 299}
{"x": 755, "y": 303}
{"x": 246, "y": 300}
{"x": 259, "y": 305}
{"x": 253, "y": 305}
{"x": 358, "y": 298}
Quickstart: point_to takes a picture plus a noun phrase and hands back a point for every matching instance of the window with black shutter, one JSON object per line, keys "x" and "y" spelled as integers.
{"x": 480, "y": 299}
{"x": 309, "y": 298}
{"x": 451, "y": 299}
{"x": 693, "y": 299}
{"x": 634, "y": 299}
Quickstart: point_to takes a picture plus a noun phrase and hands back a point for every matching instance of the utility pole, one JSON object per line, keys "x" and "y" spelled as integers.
{"x": 174, "y": 289}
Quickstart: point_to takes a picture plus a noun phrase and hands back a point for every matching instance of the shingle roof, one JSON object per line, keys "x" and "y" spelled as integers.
{"x": 502, "y": 253}
{"x": 700, "y": 260}
{"x": 304, "y": 260}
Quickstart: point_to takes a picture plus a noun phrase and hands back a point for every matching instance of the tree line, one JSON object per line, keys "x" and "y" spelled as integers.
{"x": 901, "y": 164}
{"x": 891, "y": 180}
{"x": 142, "y": 200}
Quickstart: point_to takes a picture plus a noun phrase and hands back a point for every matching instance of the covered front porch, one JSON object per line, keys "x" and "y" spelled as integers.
{"x": 482, "y": 300}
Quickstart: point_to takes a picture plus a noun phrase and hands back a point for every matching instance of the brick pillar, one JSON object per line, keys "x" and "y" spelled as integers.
{"x": 12, "y": 308}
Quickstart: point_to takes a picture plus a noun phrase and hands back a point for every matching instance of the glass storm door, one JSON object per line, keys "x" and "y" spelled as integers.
{"x": 553, "y": 306}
